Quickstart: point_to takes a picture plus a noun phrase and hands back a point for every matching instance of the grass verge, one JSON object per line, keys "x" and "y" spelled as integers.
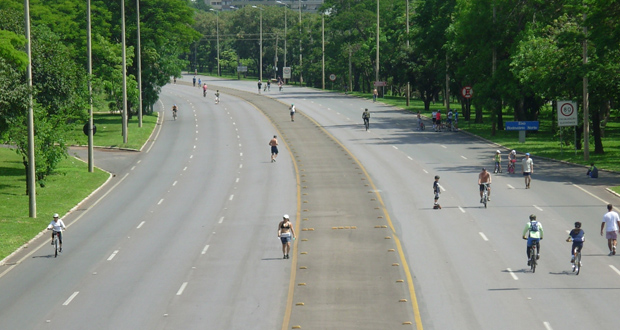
{"x": 110, "y": 131}
{"x": 69, "y": 185}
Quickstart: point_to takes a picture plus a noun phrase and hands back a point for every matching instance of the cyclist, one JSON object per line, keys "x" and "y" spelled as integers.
{"x": 512, "y": 160}
{"x": 204, "y": 90}
{"x": 419, "y": 121}
{"x": 450, "y": 120}
{"x": 217, "y": 96}
{"x": 456, "y": 119}
{"x": 485, "y": 178}
{"x": 57, "y": 226}
{"x": 498, "y": 162}
{"x": 174, "y": 111}
{"x": 534, "y": 231}
{"x": 366, "y": 117}
{"x": 434, "y": 119}
{"x": 577, "y": 235}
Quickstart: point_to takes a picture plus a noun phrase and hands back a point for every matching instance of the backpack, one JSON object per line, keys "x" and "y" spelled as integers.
{"x": 534, "y": 226}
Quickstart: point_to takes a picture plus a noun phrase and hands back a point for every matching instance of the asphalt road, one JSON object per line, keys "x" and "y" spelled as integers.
{"x": 186, "y": 237}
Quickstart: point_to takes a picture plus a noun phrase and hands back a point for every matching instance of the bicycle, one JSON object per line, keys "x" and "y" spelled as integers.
{"x": 533, "y": 260}
{"x": 511, "y": 166}
{"x": 55, "y": 243}
{"x": 576, "y": 259}
{"x": 422, "y": 127}
{"x": 485, "y": 194}
{"x": 174, "y": 114}
{"x": 366, "y": 123}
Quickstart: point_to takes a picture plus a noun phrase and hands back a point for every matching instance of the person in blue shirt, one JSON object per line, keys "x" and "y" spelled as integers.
{"x": 577, "y": 235}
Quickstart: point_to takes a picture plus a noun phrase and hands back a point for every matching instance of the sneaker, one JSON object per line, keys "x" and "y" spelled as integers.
{"x": 611, "y": 253}
{"x": 60, "y": 250}
{"x": 572, "y": 259}
{"x": 537, "y": 256}
{"x": 52, "y": 243}
{"x": 574, "y": 268}
{"x": 528, "y": 262}
{"x": 284, "y": 257}
{"x": 480, "y": 200}
{"x": 287, "y": 256}
{"x": 489, "y": 199}
{"x": 614, "y": 251}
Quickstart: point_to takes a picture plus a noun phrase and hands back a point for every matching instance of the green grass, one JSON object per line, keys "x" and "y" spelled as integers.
{"x": 64, "y": 189}
{"x": 109, "y": 131}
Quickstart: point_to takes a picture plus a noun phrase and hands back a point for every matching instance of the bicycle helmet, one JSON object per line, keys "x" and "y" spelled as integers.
{"x": 55, "y": 215}
{"x": 532, "y": 216}
{"x": 514, "y": 152}
{"x": 436, "y": 177}
{"x": 285, "y": 216}
{"x": 577, "y": 224}
{"x": 497, "y": 151}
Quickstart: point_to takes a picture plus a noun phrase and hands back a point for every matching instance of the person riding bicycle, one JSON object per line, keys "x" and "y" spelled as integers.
{"x": 419, "y": 121}
{"x": 484, "y": 178}
{"x": 57, "y": 226}
{"x": 217, "y": 96}
{"x": 498, "y": 162}
{"x": 366, "y": 117}
{"x": 534, "y": 231}
{"x": 577, "y": 235}
{"x": 174, "y": 110}
{"x": 512, "y": 160}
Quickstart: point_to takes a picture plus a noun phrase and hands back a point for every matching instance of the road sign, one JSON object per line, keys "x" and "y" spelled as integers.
{"x": 522, "y": 126}
{"x": 380, "y": 83}
{"x": 567, "y": 113}
{"x": 286, "y": 72}
{"x": 467, "y": 92}
{"x": 242, "y": 68}
{"x": 332, "y": 77}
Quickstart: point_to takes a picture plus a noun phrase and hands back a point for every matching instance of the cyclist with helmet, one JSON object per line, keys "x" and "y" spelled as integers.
{"x": 512, "y": 160}
{"x": 57, "y": 226}
{"x": 577, "y": 235}
{"x": 533, "y": 232}
{"x": 498, "y": 162}
{"x": 436, "y": 191}
{"x": 174, "y": 111}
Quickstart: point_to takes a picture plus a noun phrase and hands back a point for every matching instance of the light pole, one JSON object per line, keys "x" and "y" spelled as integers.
{"x": 285, "y": 9}
{"x": 377, "y": 67}
{"x": 301, "y": 79}
{"x": 261, "y": 43}
{"x": 323, "y": 45}
{"x": 217, "y": 31}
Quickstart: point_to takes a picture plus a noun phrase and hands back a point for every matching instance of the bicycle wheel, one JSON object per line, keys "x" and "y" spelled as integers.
{"x": 577, "y": 263}
{"x": 55, "y": 246}
{"x": 533, "y": 260}
{"x": 485, "y": 199}
{"x": 367, "y": 124}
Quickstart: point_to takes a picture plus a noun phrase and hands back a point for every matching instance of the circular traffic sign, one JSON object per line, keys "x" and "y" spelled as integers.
{"x": 286, "y": 70}
{"x": 567, "y": 109}
{"x": 332, "y": 77}
{"x": 467, "y": 92}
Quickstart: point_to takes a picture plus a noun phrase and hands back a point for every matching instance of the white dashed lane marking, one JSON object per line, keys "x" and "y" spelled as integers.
{"x": 512, "y": 274}
{"x": 112, "y": 255}
{"x": 484, "y": 237}
{"x": 68, "y": 301}
{"x": 205, "y": 249}
{"x": 538, "y": 208}
{"x": 615, "y": 269}
{"x": 463, "y": 157}
{"x": 221, "y": 220}
{"x": 160, "y": 201}
{"x": 140, "y": 225}
{"x": 231, "y": 197}
{"x": 181, "y": 289}
{"x": 547, "y": 326}
{"x": 462, "y": 209}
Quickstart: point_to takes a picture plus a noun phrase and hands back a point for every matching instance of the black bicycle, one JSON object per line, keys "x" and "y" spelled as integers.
{"x": 485, "y": 194}
{"x": 533, "y": 261}
{"x": 367, "y": 123}
{"x": 55, "y": 243}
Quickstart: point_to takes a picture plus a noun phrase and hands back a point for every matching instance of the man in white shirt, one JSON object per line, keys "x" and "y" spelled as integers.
{"x": 527, "y": 167}
{"x": 611, "y": 220}
{"x": 57, "y": 226}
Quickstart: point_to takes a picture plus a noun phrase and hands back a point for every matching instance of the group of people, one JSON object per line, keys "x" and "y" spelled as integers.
{"x": 527, "y": 165}
{"x": 452, "y": 119}
{"x": 267, "y": 86}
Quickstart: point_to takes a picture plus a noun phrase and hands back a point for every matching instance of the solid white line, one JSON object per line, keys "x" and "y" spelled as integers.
{"x": 538, "y": 208}
{"x": 463, "y": 157}
{"x": 174, "y": 183}
{"x": 231, "y": 197}
{"x": 205, "y": 249}
{"x": 68, "y": 301}
{"x": 161, "y": 200}
{"x": 140, "y": 225}
{"x": 462, "y": 209}
{"x": 113, "y": 255}
{"x": 221, "y": 220}
{"x": 547, "y": 326}
{"x": 615, "y": 269}
{"x": 410, "y": 157}
{"x": 591, "y": 194}
{"x": 180, "y": 292}
{"x": 395, "y": 147}
{"x": 511, "y": 187}
{"x": 512, "y": 274}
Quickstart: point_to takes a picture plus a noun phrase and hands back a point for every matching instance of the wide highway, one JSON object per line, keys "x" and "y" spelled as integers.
{"x": 183, "y": 236}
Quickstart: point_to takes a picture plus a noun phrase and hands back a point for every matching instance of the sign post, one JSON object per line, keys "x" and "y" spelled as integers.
{"x": 522, "y": 127}
{"x": 286, "y": 72}
{"x": 567, "y": 116}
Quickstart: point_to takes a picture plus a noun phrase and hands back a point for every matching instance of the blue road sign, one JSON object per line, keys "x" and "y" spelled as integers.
{"x": 522, "y": 126}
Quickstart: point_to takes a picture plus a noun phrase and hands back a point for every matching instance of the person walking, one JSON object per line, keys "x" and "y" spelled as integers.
{"x": 527, "y": 167}
{"x": 260, "y": 84}
{"x": 274, "y": 148}
{"x": 194, "y": 81}
{"x": 375, "y": 93}
{"x": 286, "y": 233}
{"x": 436, "y": 191}
{"x": 292, "y": 110}
{"x": 611, "y": 221}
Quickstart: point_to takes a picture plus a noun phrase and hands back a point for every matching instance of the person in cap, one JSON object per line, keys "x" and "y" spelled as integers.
{"x": 286, "y": 233}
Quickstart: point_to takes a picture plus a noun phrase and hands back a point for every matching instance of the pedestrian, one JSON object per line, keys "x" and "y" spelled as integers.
{"x": 199, "y": 82}
{"x": 611, "y": 221}
{"x": 274, "y": 148}
{"x": 434, "y": 119}
{"x": 438, "y": 121}
{"x": 268, "y": 85}
{"x": 260, "y": 84}
{"x": 436, "y": 191}
{"x": 194, "y": 81}
{"x": 592, "y": 171}
{"x": 292, "y": 110}
{"x": 286, "y": 233}
{"x": 375, "y": 93}
{"x": 527, "y": 168}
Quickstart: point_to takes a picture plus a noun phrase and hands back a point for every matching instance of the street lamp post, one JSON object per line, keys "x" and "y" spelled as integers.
{"x": 285, "y": 9}
{"x": 261, "y": 43}
{"x": 301, "y": 79}
{"x": 217, "y": 31}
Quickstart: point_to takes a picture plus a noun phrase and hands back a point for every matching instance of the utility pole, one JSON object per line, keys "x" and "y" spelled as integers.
{"x": 90, "y": 90}
{"x": 32, "y": 196}
{"x": 323, "y": 45}
{"x": 586, "y": 97}
{"x": 124, "y": 72}
{"x": 377, "y": 66}
{"x": 139, "y": 63}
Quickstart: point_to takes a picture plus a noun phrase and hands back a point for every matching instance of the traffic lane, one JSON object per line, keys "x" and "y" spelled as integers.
{"x": 119, "y": 316}
{"x": 431, "y": 179}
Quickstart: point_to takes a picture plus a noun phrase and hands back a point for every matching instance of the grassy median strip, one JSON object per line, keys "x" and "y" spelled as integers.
{"x": 63, "y": 190}
{"x": 110, "y": 134}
